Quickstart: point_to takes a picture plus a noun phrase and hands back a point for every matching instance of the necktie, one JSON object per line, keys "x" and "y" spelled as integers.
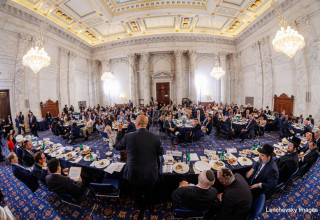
{"x": 256, "y": 174}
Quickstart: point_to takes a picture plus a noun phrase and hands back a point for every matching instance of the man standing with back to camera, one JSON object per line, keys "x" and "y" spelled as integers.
{"x": 141, "y": 170}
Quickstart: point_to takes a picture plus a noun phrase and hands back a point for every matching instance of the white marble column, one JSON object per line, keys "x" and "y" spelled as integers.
{"x": 267, "y": 73}
{"x": 258, "y": 75}
{"x": 19, "y": 76}
{"x": 132, "y": 78}
{"x": 224, "y": 79}
{"x": 71, "y": 79}
{"x": 105, "y": 67}
{"x": 146, "y": 78}
{"x": 178, "y": 70}
{"x": 192, "y": 75}
{"x": 90, "y": 86}
{"x": 63, "y": 78}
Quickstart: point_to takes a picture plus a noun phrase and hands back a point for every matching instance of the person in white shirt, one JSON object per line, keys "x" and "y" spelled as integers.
{"x": 88, "y": 129}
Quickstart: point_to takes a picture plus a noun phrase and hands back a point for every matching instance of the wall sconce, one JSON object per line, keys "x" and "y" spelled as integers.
{"x": 123, "y": 97}
{"x": 208, "y": 97}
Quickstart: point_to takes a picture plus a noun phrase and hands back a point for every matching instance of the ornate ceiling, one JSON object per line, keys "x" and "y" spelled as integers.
{"x": 98, "y": 21}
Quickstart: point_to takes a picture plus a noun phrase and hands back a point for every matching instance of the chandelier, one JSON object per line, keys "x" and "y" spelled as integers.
{"x": 36, "y": 58}
{"x": 287, "y": 40}
{"x": 217, "y": 72}
{"x": 107, "y": 77}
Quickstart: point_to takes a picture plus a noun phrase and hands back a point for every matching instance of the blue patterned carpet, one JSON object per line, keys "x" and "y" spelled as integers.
{"x": 304, "y": 193}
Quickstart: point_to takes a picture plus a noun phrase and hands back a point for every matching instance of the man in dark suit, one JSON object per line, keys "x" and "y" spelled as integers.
{"x": 23, "y": 174}
{"x": 198, "y": 197}
{"x": 65, "y": 109}
{"x": 169, "y": 126}
{"x": 245, "y": 132}
{"x": 21, "y": 117}
{"x": 236, "y": 199}
{"x": 198, "y": 116}
{"x": 39, "y": 170}
{"x": 317, "y": 139}
{"x": 309, "y": 156}
{"x": 196, "y": 127}
{"x": 62, "y": 184}
{"x": 229, "y": 125}
{"x": 18, "y": 124}
{"x": 207, "y": 125}
{"x": 131, "y": 127}
{"x": 289, "y": 163}
{"x": 264, "y": 176}
{"x": 311, "y": 120}
{"x": 179, "y": 114}
{"x": 33, "y": 124}
{"x": 130, "y": 104}
{"x": 142, "y": 169}
{"x": 131, "y": 116}
{"x": 306, "y": 128}
{"x": 28, "y": 154}
{"x": 267, "y": 111}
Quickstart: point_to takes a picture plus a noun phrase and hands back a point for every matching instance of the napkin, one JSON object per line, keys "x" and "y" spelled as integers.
{"x": 194, "y": 157}
{"x": 120, "y": 166}
{"x": 168, "y": 158}
{"x": 177, "y": 153}
{"x": 111, "y": 168}
{"x": 167, "y": 168}
{"x": 93, "y": 164}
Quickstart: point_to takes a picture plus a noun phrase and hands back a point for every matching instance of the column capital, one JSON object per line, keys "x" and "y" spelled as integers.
{"x": 192, "y": 53}
{"x": 64, "y": 52}
{"x": 145, "y": 56}
{"x": 178, "y": 52}
{"x": 73, "y": 55}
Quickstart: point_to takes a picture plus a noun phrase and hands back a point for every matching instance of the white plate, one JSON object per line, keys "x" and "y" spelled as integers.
{"x": 281, "y": 153}
{"x": 214, "y": 166}
{"x": 106, "y": 162}
{"x": 73, "y": 154}
{"x": 88, "y": 159}
{"x": 48, "y": 151}
{"x": 235, "y": 163}
{"x": 54, "y": 154}
{"x": 246, "y": 162}
{"x": 201, "y": 165}
{"x": 109, "y": 153}
{"x": 185, "y": 168}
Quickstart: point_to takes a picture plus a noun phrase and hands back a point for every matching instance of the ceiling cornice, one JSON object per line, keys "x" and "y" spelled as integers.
{"x": 52, "y": 28}
{"x": 176, "y": 37}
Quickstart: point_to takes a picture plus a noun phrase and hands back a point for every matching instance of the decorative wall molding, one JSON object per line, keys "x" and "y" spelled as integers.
{"x": 161, "y": 38}
{"x": 29, "y": 18}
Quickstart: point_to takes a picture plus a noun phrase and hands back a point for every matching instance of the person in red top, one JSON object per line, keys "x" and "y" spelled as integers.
{"x": 10, "y": 142}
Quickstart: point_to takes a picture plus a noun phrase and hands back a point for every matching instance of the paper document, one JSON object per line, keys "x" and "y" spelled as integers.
{"x": 74, "y": 173}
{"x": 194, "y": 157}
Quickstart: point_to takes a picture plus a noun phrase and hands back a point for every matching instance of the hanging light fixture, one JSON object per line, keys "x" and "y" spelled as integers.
{"x": 107, "y": 77}
{"x": 36, "y": 58}
{"x": 287, "y": 40}
{"x": 217, "y": 72}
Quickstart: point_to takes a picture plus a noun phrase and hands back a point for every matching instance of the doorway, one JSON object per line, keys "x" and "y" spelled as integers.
{"x": 4, "y": 104}
{"x": 163, "y": 92}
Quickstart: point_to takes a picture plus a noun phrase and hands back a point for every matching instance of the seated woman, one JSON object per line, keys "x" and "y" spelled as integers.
{"x": 100, "y": 125}
{"x": 111, "y": 134}
{"x": 10, "y": 142}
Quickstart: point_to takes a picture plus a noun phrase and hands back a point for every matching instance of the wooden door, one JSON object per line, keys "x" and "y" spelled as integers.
{"x": 163, "y": 93}
{"x": 283, "y": 102}
{"x": 4, "y": 104}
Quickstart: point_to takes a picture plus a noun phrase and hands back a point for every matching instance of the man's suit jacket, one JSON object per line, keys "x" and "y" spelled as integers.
{"x": 167, "y": 124}
{"x": 306, "y": 129}
{"x": 131, "y": 127}
{"x": 229, "y": 124}
{"x": 17, "y": 120}
{"x": 194, "y": 198}
{"x": 268, "y": 176}
{"x": 131, "y": 117}
{"x": 201, "y": 117}
{"x": 27, "y": 158}
{"x": 143, "y": 149}
{"x": 196, "y": 128}
{"x": 236, "y": 200}
{"x": 267, "y": 112}
{"x": 33, "y": 121}
{"x": 250, "y": 125}
{"x": 209, "y": 127}
{"x": 21, "y": 117}
{"x": 318, "y": 143}
{"x": 310, "y": 158}
{"x": 64, "y": 185}
{"x": 25, "y": 176}
{"x": 287, "y": 165}
{"x": 177, "y": 115}
{"x": 39, "y": 173}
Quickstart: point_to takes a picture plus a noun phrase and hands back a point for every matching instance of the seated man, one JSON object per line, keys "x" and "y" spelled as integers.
{"x": 60, "y": 130}
{"x": 88, "y": 129}
{"x": 207, "y": 126}
{"x": 264, "y": 176}
{"x": 131, "y": 126}
{"x": 196, "y": 127}
{"x": 39, "y": 170}
{"x": 246, "y": 131}
{"x": 198, "y": 116}
{"x": 199, "y": 197}
{"x": 61, "y": 184}
{"x": 28, "y": 154}
{"x": 306, "y": 146}
{"x": 230, "y": 128}
{"x": 309, "y": 156}
{"x": 306, "y": 128}
{"x": 286, "y": 129}
{"x": 289, "y": 163}
{"x": 236, "y": 199}
{"x": 178, "y": 115}
{"x": 170, "y": 126}
{"x": 22, "y": 173}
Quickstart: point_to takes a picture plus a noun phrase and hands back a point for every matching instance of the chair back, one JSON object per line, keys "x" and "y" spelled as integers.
{"x": 258, "y": 205}
{"x": 185, "y": 213}
{"x": 197, "y": 135}
{"x": 104, "y": 189}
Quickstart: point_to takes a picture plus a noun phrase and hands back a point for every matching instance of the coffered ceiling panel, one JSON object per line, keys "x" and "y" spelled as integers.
{"x": 98, "y": 21}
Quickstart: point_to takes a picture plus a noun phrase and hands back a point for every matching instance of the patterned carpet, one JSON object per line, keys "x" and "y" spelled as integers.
{"x": 304, "y": 193}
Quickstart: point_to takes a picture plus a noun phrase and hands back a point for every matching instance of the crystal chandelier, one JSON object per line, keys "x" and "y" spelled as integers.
{"x": 217, "y": 72}
{"x": 36, "y": 58}
{"x": 287, "y": 40}
{"x": 107, "y": 77}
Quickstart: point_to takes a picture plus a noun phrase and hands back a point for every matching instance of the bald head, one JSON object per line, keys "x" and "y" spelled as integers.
{"x": 142, "y": 121}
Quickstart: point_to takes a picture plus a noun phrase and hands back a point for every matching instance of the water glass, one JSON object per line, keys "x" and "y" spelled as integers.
{"x": 98, "y": 154}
